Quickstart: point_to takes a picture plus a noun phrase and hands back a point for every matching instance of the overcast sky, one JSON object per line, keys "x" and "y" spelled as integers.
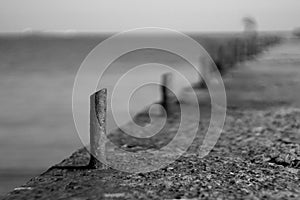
{"x": 118, "y": 15}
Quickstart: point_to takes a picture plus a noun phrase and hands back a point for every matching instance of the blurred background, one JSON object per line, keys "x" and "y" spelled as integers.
{"x": 42, "y": 44}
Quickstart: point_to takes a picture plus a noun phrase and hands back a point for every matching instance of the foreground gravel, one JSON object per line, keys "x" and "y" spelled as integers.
{"x": 256, "y": 157}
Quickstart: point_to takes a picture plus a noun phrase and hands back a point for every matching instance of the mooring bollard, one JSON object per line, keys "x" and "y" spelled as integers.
{"x": 166, "y": 92}
{"x": 98, "y": 128}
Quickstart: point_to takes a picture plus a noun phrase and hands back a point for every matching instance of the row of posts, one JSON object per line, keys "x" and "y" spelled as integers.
{"x": 98, "y": 110}
{"x": 238, "y": 49}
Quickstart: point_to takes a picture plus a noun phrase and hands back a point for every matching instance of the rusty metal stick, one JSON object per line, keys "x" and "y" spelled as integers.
{"x": 166, "y": 92}
{"x": 98, "y": 128}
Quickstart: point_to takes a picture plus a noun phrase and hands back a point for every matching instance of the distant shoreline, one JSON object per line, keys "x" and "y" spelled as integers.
{"x": 76, "y": 34}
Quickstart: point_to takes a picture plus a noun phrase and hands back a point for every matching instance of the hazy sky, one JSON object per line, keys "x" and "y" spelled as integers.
{"x": 118, "y": 15}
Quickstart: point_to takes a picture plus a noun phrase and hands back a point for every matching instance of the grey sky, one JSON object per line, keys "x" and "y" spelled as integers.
{"x": 118, "y": 15}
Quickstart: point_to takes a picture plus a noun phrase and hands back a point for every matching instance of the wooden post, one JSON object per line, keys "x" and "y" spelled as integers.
{"x": 246, "y": 49}
{"x": 220, "y": 62}
{"x": 239, "y": 47}
{"x": 166, "y": 92}
{"x": 236, "y": 51}
{"x": 98, "y": 128}
{"x": 205, "y": 70}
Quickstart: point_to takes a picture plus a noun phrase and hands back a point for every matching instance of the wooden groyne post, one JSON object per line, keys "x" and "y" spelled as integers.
{"x": 98, "y": 106}
{"x": 205, "y": 68}
{"x": 166, "y": 99}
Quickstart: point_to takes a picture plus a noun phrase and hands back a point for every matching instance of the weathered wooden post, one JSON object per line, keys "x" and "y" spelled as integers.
{"x": 239, "y": 47}
{"x": 229, "y": 55}
{"x": 98, "y": 128}
{"x": 205, "y": 63}
{"x": 220, "y": 59}
{"x": 245, "y": 49}
{"x": 166, "y": 93}
{"x": 236, "y": 53}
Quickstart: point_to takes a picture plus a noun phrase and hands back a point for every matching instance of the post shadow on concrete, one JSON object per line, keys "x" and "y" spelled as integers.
{"x": 98, "y": 108}
{"x": 98, "y": 112}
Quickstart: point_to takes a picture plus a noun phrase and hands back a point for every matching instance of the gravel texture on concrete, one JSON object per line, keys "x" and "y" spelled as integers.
{"x": 256, "y": 157}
